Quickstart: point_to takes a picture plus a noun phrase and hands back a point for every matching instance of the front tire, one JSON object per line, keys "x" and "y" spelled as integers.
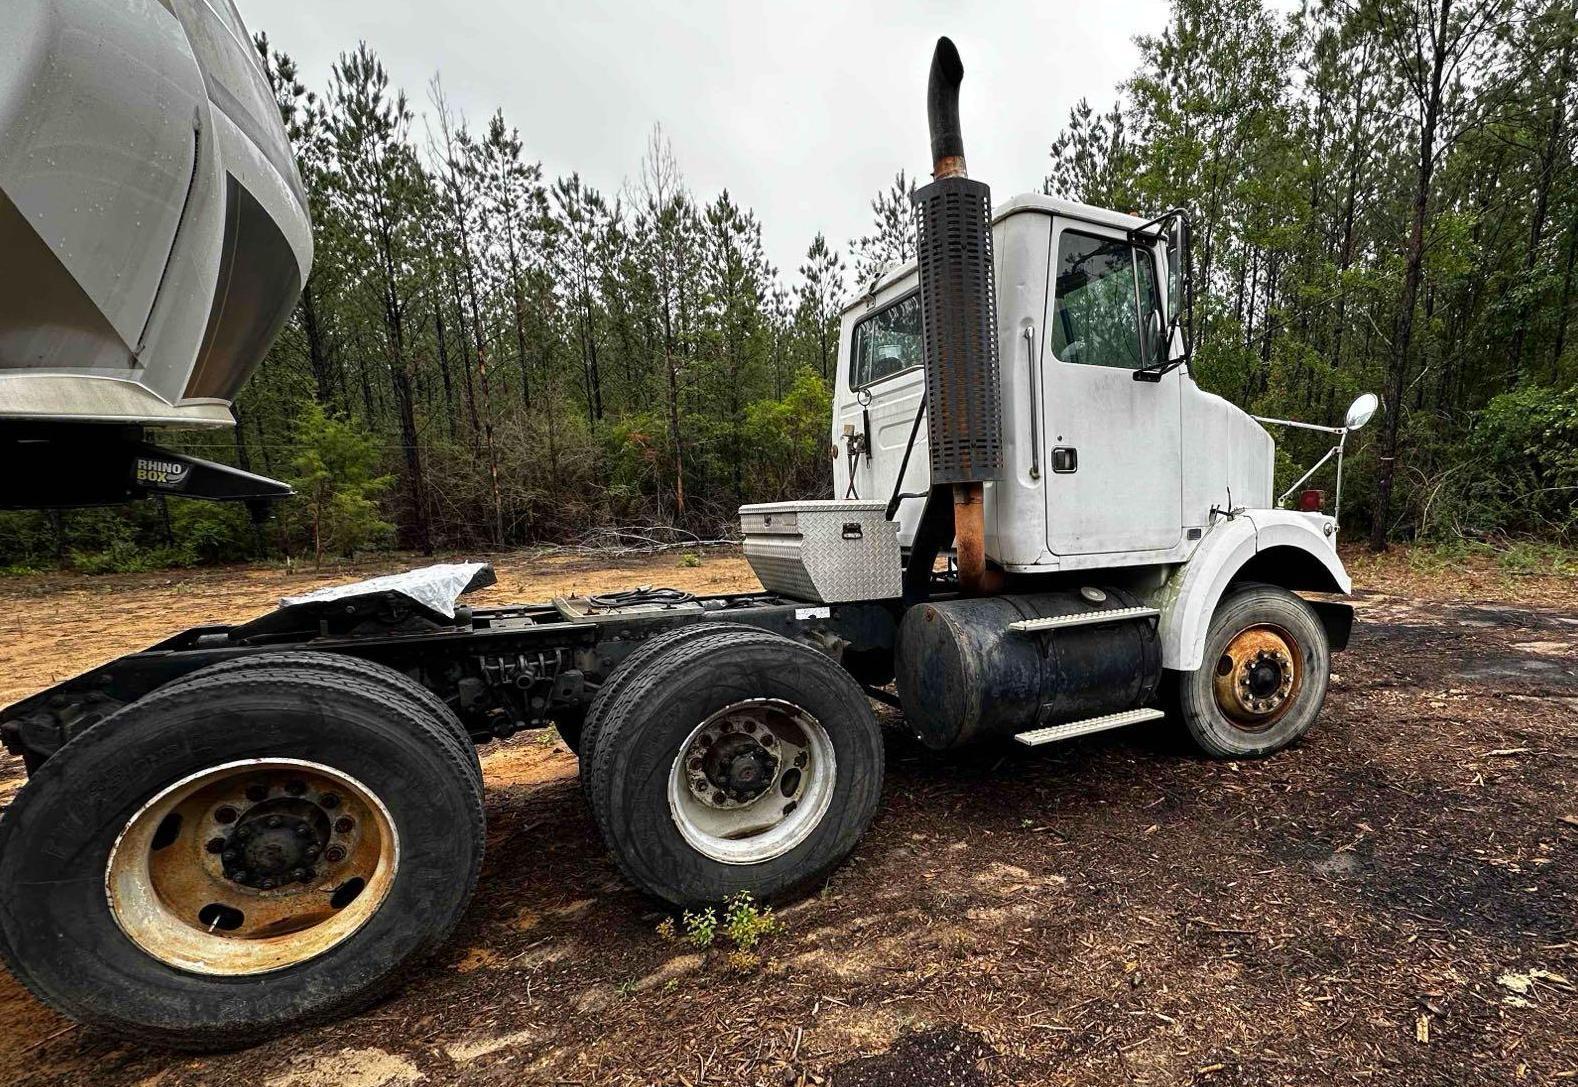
{"x": 1267, "y": 664}
{"x": 132, "y": 901}
{"x": 735, "y": 762}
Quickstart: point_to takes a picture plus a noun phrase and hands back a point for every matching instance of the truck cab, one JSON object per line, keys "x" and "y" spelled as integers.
{"x": 1103, "y": 470}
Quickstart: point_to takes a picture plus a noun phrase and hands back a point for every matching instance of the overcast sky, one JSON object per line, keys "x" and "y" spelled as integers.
{"x": 802, "y": 110}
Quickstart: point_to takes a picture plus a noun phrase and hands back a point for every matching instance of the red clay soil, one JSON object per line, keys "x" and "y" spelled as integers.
{"x": 1395, "y": 900}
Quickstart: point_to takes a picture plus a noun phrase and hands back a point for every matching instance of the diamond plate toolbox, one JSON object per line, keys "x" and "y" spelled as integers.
{"x": 826, "y": 552}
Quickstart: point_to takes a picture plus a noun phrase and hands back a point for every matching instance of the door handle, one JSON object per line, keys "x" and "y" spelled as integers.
{"x": 1065, "y": 459}
{"x": 1035, "y": 402}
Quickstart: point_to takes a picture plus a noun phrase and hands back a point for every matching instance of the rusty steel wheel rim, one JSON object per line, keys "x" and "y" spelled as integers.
{"x": 1258, "y": 676}
{"x": 252, "y": 866}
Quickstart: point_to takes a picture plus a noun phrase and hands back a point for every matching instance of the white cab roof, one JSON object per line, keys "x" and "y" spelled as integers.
{"x": 1016, "y": 205}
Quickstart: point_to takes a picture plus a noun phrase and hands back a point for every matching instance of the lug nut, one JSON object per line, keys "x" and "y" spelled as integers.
{"x": 265, "y": 884}
{"x": 344, "y": 824}
{"x": 312, "y": 852}
{"x": 274, "y": 822}
{"x": 226, "y": 814}
{"x": 801, "y": 759}
{"x": 303, "y": 830}
{"x": 300, "y": 875}
{"x": 230, "y": 856}
{"x": 256, "y": 793}
{"x": 243, "y": 832}
{"x": 329, "y": 800}
{"x": 334, "y": 854}
{"x": 215, "y": 845}
{"x": 237, "y": 874}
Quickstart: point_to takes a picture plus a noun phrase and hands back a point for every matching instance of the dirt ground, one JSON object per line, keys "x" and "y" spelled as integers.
{"x": 1395, "y": 900}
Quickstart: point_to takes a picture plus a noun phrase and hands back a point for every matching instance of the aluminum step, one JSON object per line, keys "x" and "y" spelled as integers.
{"x": 1081, "y": 619}
{"x": 1054, "y": 733}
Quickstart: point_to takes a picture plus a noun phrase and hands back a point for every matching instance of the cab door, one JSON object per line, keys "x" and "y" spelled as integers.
{"x": 1113, "y": 443}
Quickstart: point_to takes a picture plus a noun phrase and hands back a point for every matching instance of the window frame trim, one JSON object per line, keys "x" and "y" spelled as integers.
{"x": 854, "y": 340}
{"x": 1090, "y": 230}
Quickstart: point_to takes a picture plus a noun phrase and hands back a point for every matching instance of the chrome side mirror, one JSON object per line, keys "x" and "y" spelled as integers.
{"x": 1361, "y": 411}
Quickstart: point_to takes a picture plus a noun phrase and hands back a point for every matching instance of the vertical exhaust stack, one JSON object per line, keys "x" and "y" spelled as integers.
{"x": 959, "y": 324}
{"x": 942, "y": 111}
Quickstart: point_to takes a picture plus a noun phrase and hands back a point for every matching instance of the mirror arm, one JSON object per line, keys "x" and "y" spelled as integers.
{"x": 1332, "y": 452}
{"x": 1300, "y": 426}
{"x": 1336, "y": 508}
{"x": 1152, "y": 231}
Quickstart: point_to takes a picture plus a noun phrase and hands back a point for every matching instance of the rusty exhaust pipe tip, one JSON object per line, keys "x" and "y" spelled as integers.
{"x": 942, "y": 110}
{"x": 969, "y": 541}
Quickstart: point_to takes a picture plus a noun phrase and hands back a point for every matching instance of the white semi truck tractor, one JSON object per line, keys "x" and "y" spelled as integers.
{"x": 1044, "y": 529}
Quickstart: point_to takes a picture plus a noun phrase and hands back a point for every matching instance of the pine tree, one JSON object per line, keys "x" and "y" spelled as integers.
{"x": 382, "y": 191}
{"x": 892, "y": 240}
{"x": 820, "y": 295}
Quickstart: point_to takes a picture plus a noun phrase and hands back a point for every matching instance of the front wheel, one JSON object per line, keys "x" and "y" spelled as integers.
{"x": 735, "y": 762}
{"x": 1264, "y": 677}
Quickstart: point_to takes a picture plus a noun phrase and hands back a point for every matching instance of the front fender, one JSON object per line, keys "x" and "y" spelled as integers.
{"x": 1280, "y": 547}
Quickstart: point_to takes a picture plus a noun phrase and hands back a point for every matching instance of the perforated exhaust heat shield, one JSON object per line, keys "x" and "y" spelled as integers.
{"x": 959, "y": 328}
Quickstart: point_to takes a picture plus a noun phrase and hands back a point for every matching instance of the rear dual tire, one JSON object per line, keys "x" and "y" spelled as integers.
{"x": 146, "y": 958}
{"x": 394, "y": 682}
{"x": 801, "y": 786}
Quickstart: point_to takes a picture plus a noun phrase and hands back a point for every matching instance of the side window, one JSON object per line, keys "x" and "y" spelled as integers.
{"x": 1103, "y": 286}
{"x": 887, "y": 342}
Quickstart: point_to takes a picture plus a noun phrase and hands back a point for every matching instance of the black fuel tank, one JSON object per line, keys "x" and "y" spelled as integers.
{"x": 964, "y": 675}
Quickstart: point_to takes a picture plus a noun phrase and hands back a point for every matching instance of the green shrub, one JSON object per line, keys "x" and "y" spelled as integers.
{"x": 127, "y": 558}
{"x": 336, "y": 475}
{"x": 744, "y": 924}
{"x": 786, "y": 442}
{"x": 212, "y": 531}
{"x": 701, "y": 927}
{"x": 1526, "y": 557}
{"x": 1522, "y": 473}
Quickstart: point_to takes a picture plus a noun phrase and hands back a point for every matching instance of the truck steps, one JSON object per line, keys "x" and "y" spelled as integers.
{"x": 1054, "y": 733}
{"x": 1081, "y": 619}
